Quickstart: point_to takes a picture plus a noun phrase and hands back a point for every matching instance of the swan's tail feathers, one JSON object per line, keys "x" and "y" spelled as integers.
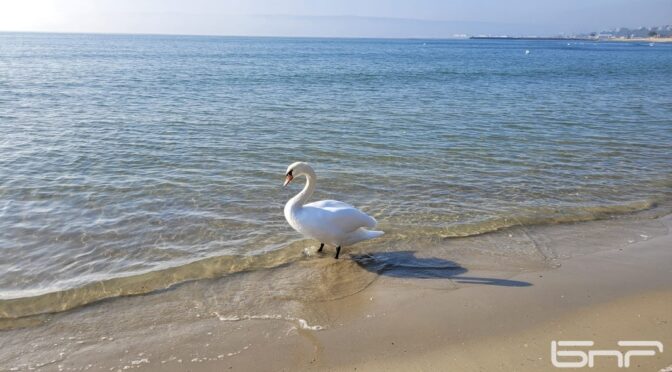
{"x": 373, "y": 234}
{"x": 361, "y": 234}
{"x": 372, "y": 222}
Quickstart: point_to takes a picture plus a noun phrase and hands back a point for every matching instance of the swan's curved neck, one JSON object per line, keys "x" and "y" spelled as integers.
{"x": 301, "y": 198}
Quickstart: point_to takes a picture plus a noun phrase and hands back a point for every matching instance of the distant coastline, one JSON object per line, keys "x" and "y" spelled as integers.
{"x": 527, "y": 38}
{"x": 655, "y": 34}
{"x": 642, "y": 39}
{"x": 617, "y": 39}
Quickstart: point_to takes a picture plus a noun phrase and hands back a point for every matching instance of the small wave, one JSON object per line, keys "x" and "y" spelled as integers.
{"x": 219, "y": 266}
{"x": 144, "y": 283}
{"x": 544, "y": 216}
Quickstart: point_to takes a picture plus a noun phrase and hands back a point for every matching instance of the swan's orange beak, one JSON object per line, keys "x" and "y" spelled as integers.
{"x": 288, "y": 179}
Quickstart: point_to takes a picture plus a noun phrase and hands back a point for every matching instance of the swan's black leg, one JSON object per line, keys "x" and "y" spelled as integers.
{"x": 338, "y": 250}
{"x": 321, "y": 246}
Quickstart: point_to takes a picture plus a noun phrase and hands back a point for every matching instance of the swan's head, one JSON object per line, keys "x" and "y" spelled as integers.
{"x": 297, "y": 169}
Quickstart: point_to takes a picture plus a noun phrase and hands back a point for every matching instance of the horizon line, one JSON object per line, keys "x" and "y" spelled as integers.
{"x": 467, "y": 36}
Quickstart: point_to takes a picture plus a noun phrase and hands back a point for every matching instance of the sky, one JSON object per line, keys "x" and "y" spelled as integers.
{"x": 338, "y": 18}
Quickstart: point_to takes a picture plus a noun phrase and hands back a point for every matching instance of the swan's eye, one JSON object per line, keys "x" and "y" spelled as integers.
{"x": 290, "y": 172}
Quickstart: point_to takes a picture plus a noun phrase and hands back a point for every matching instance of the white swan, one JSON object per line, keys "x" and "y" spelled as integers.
{"x": 329, "y": 221}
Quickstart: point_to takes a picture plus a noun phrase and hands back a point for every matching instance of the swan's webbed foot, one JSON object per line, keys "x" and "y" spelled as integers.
{"x": 321, "y": 246}
{"x": 338, "y": 250}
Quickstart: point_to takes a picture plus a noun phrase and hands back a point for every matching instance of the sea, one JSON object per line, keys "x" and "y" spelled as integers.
{"x": 133, "y": 163}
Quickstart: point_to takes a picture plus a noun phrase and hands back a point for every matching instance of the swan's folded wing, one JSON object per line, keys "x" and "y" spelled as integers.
{"x": 338, "y": 215}
{"x": 329, "y": 204}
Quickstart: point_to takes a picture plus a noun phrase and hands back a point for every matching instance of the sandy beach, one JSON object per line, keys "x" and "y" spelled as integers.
{"x": 445, "y": 318}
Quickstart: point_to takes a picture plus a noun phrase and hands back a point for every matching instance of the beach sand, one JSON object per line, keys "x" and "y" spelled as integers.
{"x": 606, "y": 283}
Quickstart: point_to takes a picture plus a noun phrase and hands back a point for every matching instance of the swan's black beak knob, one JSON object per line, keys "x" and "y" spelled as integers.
{"x": 288, "y": 179}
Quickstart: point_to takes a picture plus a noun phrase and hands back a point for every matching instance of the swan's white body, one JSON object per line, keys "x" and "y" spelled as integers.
{"x": 329, "y": 221}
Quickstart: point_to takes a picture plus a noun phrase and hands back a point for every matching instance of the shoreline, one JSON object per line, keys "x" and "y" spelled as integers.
{"x": 470, "y": 317}
{"x": 42, "y": 303}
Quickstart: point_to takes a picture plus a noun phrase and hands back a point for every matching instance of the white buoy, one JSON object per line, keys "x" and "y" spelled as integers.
{"x": 527, "y": 51}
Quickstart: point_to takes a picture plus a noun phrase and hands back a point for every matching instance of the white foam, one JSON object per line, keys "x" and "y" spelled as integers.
{"x": 139, "y": 361}
{"x": 303, "y": 324}
{"x": 231, "y": 318}
{"x": 263, "y": 317}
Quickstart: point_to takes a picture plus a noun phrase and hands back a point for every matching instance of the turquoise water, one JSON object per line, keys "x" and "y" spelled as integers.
{"x": 138, "y": 157}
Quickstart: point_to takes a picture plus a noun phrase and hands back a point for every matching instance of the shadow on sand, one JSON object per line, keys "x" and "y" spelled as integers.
{"x": 404, "y": 264}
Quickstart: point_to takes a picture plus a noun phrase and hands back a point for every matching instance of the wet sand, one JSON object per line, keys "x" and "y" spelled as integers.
{"x": 603, "y": 281}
